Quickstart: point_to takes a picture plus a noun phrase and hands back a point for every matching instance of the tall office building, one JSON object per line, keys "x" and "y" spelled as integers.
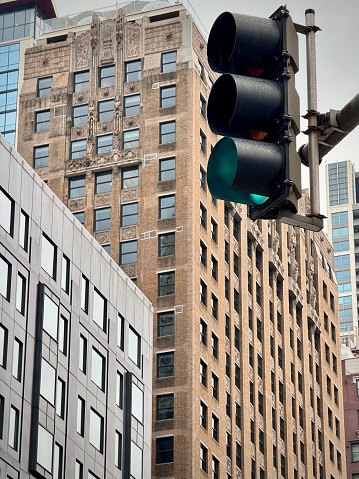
{"x": 342, "y": 184}
{"x": 21, "y": 21}
{"x": 246, "y": 367}
{"x": 75, "y": 343}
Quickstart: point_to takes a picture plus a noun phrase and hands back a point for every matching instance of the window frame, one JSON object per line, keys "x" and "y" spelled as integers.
{"x": 43, "y": 91}
{"x": 41, "y": 156}
{"x": 44, "y": 124}
{"x": 168, "y": 96}
{"x": 168, "y": 64}
{"x": 104, "y": 79}
{"x": 167, "y": 132}
{"x": 82, "y": 85}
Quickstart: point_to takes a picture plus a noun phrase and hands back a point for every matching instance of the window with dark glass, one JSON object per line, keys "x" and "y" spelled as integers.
{"x": 119, "y": 389}
{"x": 133, "y": 70}
{"x": 203, "y": 413}
{"x": 107, "y": 76}
{"x": 166, "y": 244}
{"x": 215, "y": 353}
{"x": 42, "y": 120}
{"x": 60, "y": 397}
{"x": 168, "y": 96}
{"x": 23, "y": 230}
{"x": 83, "y": 354}
{"x": 78, "y": 149}
{"x": 80, "y": 115}
{"x": 166, "y": 323}
{"x": 41, "y": 156}
{"x": 203, "y": 292}
{"x": 81, "y": 81}
{"x": 165, "y": 406}
{"x": 214, "y": 230}
{"x": 128, "y": 252}
{"x": 14, "y": 423}
{"x": 214, "y": 306}
{"x": 17, "y": 359}
{"x": 44, "y": 86}
{"x": 215, "y": 386}
{"x": 102, "y": 219}
{"x": 203, "y": 178}
{"x": 203, "y": 457}
{"x": 202, "y": 106}
{"x": 215, "y": 427}
{"x": 166, "y": 283}
{"x": 202, "y": 142}
{"x": 167, "y": 206}
{"x": 63, "y": 330}
{"x": 131, "y": 105}
{"x": 105, "y": 110}
{"x": 167, "y": 169}
{"x": 77, "y": 186}
{"x": 168, "y": 61}
{"x": 214, "y": 268}
{"x": 165, "y": 364}
{"x": 203, "y": 253}
{"x": 131, "y": 139}
{"x": 129, "y": 214}
{"x": 164, "y": 450}
{"x": 129, "y": 177}
{"x": 3, "y": 346}
{"x": 85, "y": 285}
{"x": 167, "y": 132}
{"x": 203, "y": 216}
{"x": 65, "y": 274}
{"x": 104, "y": 144}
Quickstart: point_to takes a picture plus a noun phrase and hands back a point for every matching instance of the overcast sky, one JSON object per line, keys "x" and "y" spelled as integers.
{"x": 337, "y": 53}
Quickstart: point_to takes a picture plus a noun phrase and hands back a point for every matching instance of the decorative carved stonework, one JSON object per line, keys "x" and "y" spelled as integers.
{"x": 106, "y": 92}
{"x": 89, "y": 176}
{"x": 82, "y": 51}
{"x": 152, "y": 72}
{"x": 133, "y": 41}
{"x": 78, "y": 132}
{"x": 119, "y": 27}
{"x": 117, "y": 115}
{"x": 105, "y": 127}
{"x": 116, "y": 171}
{"x": 27, "y": 96}
{"x": 103, "y": 237}
{"x": 77, "y": 204}
{"x": 129, "y": 232}
{"x": 107, "y": 33}
{"x": 58, "y": 94}
{"x": 80, "y": 97}
{"x": 126, "y": 157}
{"x": 128, "y": 195}
{"x": 131, "y": 122}
{"x": 130, "y": 270}
{"x": 104, "y": 199}
{"x": 132, "y": 87}
{"x": 95, "y": 26}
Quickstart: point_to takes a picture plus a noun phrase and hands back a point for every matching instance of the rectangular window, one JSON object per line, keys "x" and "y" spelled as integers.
{"x": 81, "y": 81}
{"x": 48, "y": 382}
{"x": 134, "y": 346}
{"x": 129, "y": 214}
{"x": 215, "y": 353}
{"x": 203, "y": 332}
{"x": 131, "y": 139}
{"x": 129, "y": 177}
{"x": 215, "y": 386}
{"x": 237, "y": 338}
{"x": 166, "y": 244}
{"x": 168, "y": 61}
{"x": 42, "y": 120}
{"x": 104, "y": 144}
{"x": 166, "y": 324}
{"x": 168, "y": 96}
{"x": 99, "y": 310}
{"x": 77, "y": 186}
{"x": 167, "y": 169}
{"x": 167, "y": 132}
{"x": 203, "y": 292}
{"x": 102, "y": 219}
{"x": 203, "y": 179}
{"x": 131, "y": 105}
{"x": 203, "y": 253}
{"x": 41, "y": 156}
{"x": 165, "y": 364}
{"x": 5, "y": 278}
{"x": 6, "y": 213}
{"x": 17, "y": 359}
{"x": 203, "y": 413}
{"x": 202, "y": 106}
{"x": 78, "y": 149}
{"x": 119, "y": 390}
{"x": 128, "y": 253}
{"x": 167, "y": 206}
{"x": 203, "y": 458}
{"x": 63, "y": 328}
{"x": 165, "y": 406}
{"x": 14, "y": 428}
{"x": 203, "y": 373}
{"x": 23, "y": 230}
{"x": 215, "y": 427}
{"x": 105, "y": 110}
{"x": 79, "y": 115}
{"x": 214, "y": 306}
{"x": 44, "y": 86}
{"x": 107, "y": 76}
{"x": 133, "y": 71}
{"x": 118, "y": 449}
{"x": 214, "y": 231}
{"x": 214, "y": 268}
{"x": 65, "y": 274}
{"x": 50, "y": 317}
{"x": 3, "y": 346}
{"x": 164, "y": 450}
{"x": 60, "y": 398}
{"x": 98, "y": 369}
{"x": 103, "y": 182}
{"x": 202, "y": 142}
{"x": 203, "y": 216}
{"x": 137, "y": 403}
{"x": 96, "y": 435}
{"x": 83, "y": 354}
{"x": 79, "y": 470}
{"x": 85, "y": 286}
{"x": 166, "y": 283}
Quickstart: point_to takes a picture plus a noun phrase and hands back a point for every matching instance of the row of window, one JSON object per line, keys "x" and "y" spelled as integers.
{"x": 107, "y": 75}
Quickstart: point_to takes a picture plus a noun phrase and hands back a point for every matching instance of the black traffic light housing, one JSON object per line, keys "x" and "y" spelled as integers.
{"x": 254, "y": 104}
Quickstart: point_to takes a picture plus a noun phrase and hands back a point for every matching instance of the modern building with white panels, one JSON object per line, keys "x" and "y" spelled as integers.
{"x": 75, "y": 343}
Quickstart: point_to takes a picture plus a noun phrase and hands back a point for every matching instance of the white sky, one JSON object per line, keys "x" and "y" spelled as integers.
{"x": 337, "y": 54}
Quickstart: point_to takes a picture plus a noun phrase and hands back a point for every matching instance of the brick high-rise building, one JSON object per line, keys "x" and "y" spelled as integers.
{"x": 247, "y": 379}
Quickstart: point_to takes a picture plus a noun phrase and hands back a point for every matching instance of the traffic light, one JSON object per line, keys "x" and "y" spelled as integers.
{"x": 255, "y": 106}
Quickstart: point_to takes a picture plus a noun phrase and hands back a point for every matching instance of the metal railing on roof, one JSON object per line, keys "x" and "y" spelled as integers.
{"x": 130, "y": 8}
